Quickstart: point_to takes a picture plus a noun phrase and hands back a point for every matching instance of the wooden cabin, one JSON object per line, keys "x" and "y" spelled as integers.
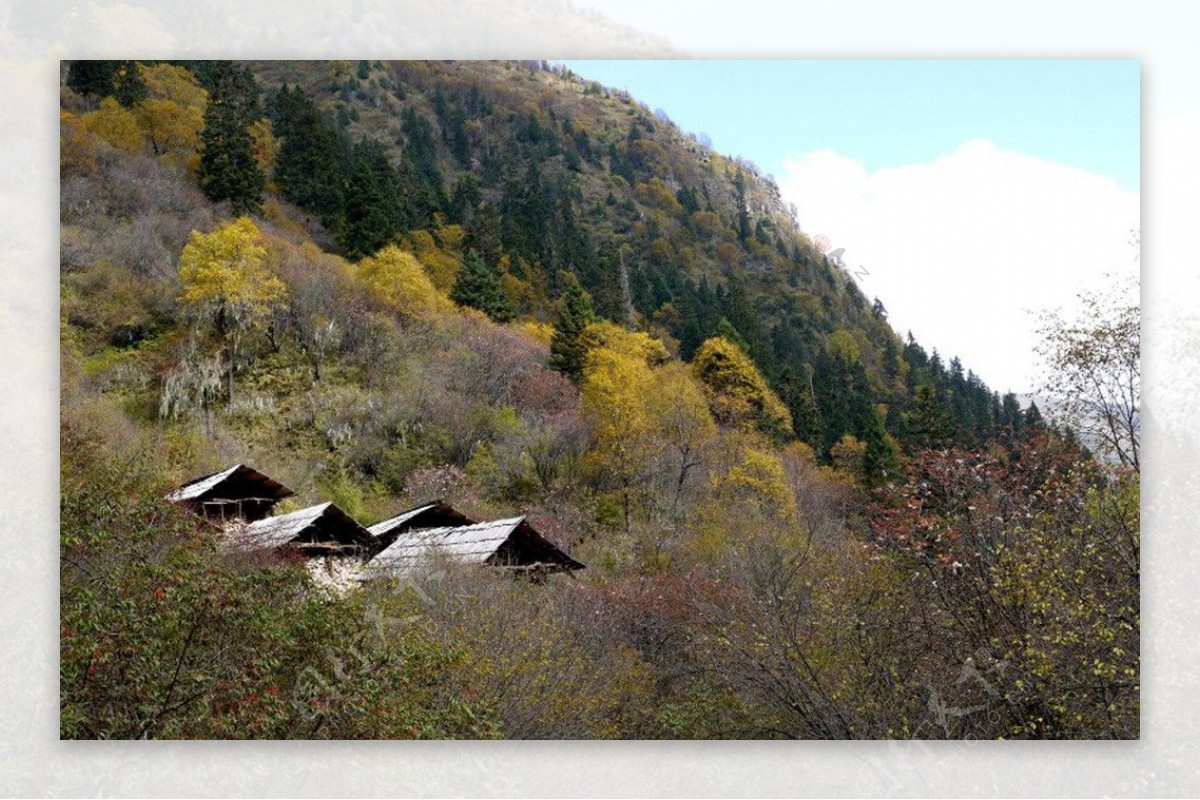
{"x": 332, "y": 544}
{"x": 339, "y": 551}
{"x": 315, "y": 531}
{"x": 509, "y": 544}
{"x": 240, "y": 493}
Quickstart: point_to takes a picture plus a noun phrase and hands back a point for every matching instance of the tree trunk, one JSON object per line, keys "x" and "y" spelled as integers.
{"x": 229, "y": 381}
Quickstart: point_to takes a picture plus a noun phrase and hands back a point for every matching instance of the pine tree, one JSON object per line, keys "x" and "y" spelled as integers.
{"x": 743, "y": 219}
{"x": 737, "y": 307}
{"x": 843, "y": 397}
{"x": 128, "y": 86}
{"x": 1032, "y": 420}
{"x": 482, "y": 234}
{"x": 92, "y": 77}
{"x": 478, "y": 286}
{"x": 1010, "y": 416}
{"x": 929, "y": 423}
{"x": 881, "y": 459}
{"x": 568, "y": 351}
{"x": 228, "y": 169}
{"x": 310, "y": 168}
{"x": 796, "y": 393}
{"x": 525, "y": 214}
{"x": 370, "y": 209}
{"x": 726, "y": 329}
{"x": 466, "y": 196}
{"x": 422, "y": 176}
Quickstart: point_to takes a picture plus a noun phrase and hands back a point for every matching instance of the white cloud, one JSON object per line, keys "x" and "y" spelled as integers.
{"x": 961, "y": 248}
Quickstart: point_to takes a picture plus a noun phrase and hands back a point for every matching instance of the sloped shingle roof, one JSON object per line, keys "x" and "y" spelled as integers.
{"x": 381, "y": 528}
{"x": 239, "y": 481}
{"x": 493, "y": 542}
{"x": 434, "y": 514}
{"x": 324, "y": 526}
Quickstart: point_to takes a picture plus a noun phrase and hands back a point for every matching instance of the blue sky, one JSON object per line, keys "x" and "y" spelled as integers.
{"x": 889, "y": 113}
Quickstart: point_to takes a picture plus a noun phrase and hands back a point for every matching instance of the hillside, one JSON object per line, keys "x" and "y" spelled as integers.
{"x": 504, "y": 287}
{"x": 666, "y": 234}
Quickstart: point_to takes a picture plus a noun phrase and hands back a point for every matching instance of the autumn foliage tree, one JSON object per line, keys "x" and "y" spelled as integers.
{"x": 116, "y": 125}
{"x": 226, "y": 284}
{"x": 172, "y": 115}
{"x": 738, "y": 395}
{"x": 614, "y": 386}
{"x": 651, "y": 427}
{"x": 396, "y": 279}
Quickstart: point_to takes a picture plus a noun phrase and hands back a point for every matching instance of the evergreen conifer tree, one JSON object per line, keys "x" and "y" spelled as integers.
{"x": 370, "y": 210}
{"x": 1032, "y": 419}
{"x": 92, "y": 77}
{"x": 726, "y": 329}
{"x": 743, "y": 219}
{"x": 881, "y": 460}
{"x": 228, "y": 169}
{"x": 128, "y": 86}
{"x": 466, "y": 196}
{"x": 568, "y": 352}
{"x": 929, "y": 423}
{"x": 478, "y": 286}
{"x": 482, "y": 234}
{"x": 1010, "y": 416}
{"x": 310, "y": 168}
{"x": 421, "y": 175}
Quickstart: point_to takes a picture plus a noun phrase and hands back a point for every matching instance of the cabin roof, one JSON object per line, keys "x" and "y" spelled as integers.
{"x": 434, "y": 514}
{"x": 322, "y": 526}
{"x": 380, "y": 528}
{"x": 235, "y": 483}
{"x": 504, "y": 542}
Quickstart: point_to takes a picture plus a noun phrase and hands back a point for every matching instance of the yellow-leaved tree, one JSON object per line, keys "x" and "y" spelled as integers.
{"x": 759, "y": 483}
{"x": 76, "y": 154}
{"x": 635, "y": 344}
{"x": 737, "y": 394}
{"x": 114, "y": 124}
{"x": 173, "y": 115}
{"x": 397, "y": 280}
{"x": 227, "y": 285}
{"x": 615, "y": 386}
{"x": 264, "y": 145}
{"x": 651, "y": 428}
{"x": 684, "y": 433}
{"x": 440, "y": 257}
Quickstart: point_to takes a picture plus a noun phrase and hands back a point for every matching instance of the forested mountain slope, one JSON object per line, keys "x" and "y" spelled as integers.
{"x": 526, "y": 294}
{"x": 665, "y": 233}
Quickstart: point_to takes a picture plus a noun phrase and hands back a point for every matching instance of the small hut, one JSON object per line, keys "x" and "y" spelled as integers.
{"x": 510, "y": 544}
{"x": 436, "y": 514}
{"x": 323, "y": 530}
{"x": 238, "y": 493}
